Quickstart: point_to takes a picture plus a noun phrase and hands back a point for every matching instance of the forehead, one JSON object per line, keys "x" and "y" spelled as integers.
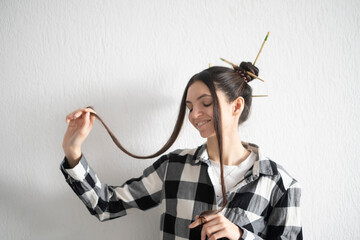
{"x": 197, "y": 89}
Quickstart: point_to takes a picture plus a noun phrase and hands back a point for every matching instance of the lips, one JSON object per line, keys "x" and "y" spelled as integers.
{"x": 202, "y": 123}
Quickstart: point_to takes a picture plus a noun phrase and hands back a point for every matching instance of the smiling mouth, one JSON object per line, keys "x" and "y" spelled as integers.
{"x": 202, "y": 123}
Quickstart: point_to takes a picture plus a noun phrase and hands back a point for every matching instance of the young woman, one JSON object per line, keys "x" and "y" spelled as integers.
{"x": 225, "y": 188}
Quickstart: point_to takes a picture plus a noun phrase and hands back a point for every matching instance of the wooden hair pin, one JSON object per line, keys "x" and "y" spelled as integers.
{"x": 267, "y": 35}
{"x": 259, "y": 95}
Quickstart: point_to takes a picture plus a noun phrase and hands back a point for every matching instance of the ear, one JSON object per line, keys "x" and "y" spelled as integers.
{"x": 238, "y": 106}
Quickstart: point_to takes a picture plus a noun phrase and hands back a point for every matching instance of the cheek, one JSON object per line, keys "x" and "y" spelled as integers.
{"x": 190, "y": 119}
{"x": 210, "y": 112}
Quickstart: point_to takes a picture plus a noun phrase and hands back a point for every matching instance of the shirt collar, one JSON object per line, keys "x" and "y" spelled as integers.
{"x": 262, "y": 165}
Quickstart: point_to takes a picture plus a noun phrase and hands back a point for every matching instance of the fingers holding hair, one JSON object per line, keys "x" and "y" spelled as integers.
{"x": 81, "y": 112}
{"x": 201, "y": 220}
{"x": 216, "y": 226}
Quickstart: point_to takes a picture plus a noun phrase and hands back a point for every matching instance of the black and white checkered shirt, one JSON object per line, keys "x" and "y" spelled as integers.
{"x": 265, "y": 203}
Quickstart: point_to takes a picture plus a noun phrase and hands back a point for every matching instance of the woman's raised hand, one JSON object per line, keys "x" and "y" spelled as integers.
{"x": 80, "y": 123}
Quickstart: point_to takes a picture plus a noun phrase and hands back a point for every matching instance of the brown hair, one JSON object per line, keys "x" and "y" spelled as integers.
{"x": 234, "y": 83}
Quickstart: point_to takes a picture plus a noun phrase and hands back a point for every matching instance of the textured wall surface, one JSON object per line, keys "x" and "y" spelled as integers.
{"x": 132, "y": 59}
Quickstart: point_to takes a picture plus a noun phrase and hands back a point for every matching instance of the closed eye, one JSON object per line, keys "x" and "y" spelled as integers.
{"x": 205, "y": 105}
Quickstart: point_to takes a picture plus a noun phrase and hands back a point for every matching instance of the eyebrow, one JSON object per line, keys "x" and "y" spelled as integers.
{"x": 204, "y": 95}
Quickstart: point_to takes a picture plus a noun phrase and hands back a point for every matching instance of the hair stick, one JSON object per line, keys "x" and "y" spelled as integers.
{"x": 267, "y": 35}
{"x": 260, "y": 95}
{"x": 253, "y": 75}
{"x": 234, "y": 65}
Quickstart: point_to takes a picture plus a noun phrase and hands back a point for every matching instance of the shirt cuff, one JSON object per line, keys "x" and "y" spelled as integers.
{"x": 79, "y": 171}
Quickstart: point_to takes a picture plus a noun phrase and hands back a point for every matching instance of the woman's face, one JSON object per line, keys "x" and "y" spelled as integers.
{"x": 199, "y": 102}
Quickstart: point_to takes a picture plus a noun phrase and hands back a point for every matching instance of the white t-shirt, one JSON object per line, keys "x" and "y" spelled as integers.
{"x": 233, "y": 174}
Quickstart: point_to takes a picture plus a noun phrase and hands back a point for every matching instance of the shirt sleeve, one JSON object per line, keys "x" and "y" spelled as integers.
{"x": 108, "y": 202}
{"x": 285, "y": 219}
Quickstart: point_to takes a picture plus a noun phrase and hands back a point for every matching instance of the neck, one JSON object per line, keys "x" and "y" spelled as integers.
{"x": 233, "y": 151}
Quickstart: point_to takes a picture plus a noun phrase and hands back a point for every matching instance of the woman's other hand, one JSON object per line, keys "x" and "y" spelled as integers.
{"x": 80, "y": 123}
{"x": 217, "y": 226}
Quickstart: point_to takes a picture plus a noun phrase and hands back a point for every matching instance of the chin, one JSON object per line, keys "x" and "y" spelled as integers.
{"x": 207, "y": 135}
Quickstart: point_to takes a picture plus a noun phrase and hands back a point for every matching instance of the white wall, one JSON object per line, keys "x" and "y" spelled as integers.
{"x": 131, "y": 61}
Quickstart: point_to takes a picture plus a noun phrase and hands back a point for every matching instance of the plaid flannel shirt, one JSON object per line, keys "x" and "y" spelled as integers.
{"x": 265, "y": 204}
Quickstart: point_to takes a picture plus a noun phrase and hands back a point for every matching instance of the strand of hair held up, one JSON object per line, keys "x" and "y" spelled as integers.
{"x": 167, "y": 145}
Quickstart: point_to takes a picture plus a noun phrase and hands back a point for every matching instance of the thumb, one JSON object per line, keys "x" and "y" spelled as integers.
{"x": 86, "y": 120}
{"x": 92, "y": 119}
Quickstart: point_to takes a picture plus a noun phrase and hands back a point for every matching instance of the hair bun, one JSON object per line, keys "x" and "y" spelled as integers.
{"x": 249, "y": 67}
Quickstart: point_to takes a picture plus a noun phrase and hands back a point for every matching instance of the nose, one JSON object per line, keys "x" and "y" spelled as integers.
{"x": 196, "y": 112}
